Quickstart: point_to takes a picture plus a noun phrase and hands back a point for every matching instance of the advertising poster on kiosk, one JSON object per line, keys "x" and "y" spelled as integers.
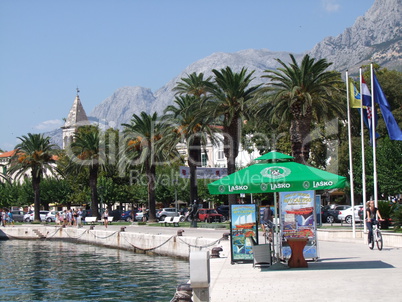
{"x": 298, "y": 220}
{"x": 244, "y": 232}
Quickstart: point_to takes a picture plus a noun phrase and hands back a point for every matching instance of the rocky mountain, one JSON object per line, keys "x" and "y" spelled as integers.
{"x": 120, "y": 107}
{"x": 252, "y": 59}
{"x": 376, "y": 36}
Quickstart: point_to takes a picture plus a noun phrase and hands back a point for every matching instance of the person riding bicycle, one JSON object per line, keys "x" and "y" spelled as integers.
{"x": 267, "y": 218}
{"x": 371, "y": 218}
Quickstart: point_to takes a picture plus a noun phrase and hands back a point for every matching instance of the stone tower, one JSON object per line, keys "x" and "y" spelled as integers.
{"x": 76, "y": 118}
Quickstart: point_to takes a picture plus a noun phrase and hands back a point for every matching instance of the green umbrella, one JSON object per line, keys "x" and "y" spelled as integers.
{"x": 281, "y": 175}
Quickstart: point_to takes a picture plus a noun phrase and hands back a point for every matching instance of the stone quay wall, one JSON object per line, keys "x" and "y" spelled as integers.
{"x": 167, "y": 245}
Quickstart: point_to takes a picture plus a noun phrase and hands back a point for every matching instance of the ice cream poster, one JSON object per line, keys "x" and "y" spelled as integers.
{"x": 244, "y": 231}
{"x": 298, "y": 219}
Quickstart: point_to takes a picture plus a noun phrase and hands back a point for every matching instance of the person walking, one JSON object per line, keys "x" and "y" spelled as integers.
{"x": 10, "y": 218}
{"x": 106, "y": 218}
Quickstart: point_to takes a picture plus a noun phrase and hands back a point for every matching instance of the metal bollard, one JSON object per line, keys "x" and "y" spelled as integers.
{"x": 180, "y": 232}
{"x": 183, "y": 293}
{"x": 225, "y": 236}
{"x": 91, "y": 227}
{"x": 215, "y": 252}
{"x": 122, "y": 229}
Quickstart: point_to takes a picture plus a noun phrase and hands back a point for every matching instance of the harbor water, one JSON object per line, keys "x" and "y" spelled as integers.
{"x": 65, "y": 271}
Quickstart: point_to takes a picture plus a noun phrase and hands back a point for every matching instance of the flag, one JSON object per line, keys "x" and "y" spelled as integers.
{"x": 367, "y": 113}
{"x": 354, "y": 96}
{"x": 395, "y": 133}
{"x": 366, "y": 94}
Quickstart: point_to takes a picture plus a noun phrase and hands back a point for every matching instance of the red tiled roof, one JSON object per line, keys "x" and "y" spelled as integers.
{"x": 8, "y": 153}
{"x": 11, "y": 153}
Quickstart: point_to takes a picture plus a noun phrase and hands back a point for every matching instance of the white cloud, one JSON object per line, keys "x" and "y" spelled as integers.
{"x": 330, "y": 5}
{"x": 49, "y": 125}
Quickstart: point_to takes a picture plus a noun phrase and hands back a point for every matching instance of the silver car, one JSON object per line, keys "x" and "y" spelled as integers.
{"x": 166, "y": 212}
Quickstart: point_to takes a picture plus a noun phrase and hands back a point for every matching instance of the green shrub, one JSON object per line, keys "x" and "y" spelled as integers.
{"x": 396, "y": 217}
{"x": 386, "y": 209}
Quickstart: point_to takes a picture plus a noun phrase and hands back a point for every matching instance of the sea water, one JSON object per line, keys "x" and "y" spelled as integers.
{"x": 64, "y": 271}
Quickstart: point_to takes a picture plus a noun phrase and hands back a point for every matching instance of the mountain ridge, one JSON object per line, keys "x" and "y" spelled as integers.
{"x": 375, "y": 36}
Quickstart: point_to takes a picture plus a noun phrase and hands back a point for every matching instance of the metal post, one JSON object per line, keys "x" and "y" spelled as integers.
{"x": 200, "y": 275}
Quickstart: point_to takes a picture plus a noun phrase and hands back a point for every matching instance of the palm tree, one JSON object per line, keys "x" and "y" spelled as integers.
{"x": 143, "y": 147}
{"x": 192, "y": 128}
{"x": 34, "y": 154}
{"x": 194, "y": 84}
{"x": 191, "y": 123}
{"x": 230, "y": 102}
{"x": 87, "y": 151}
{"x": 302, "y": 94}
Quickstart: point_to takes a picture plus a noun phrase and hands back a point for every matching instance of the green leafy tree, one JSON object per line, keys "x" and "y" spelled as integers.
{"x": 34, "y": 155}
{"x": 57, "y": 191}
{"x": 303, "y": 95}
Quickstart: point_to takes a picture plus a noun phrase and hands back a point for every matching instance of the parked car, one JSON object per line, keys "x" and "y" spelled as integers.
{"x": 346, "y": 215}
{"x": 27, "y": 215}
{"x": 116, "y": 214}
{"x": 166, "y": 212}
{"x": 42, "y": 215}
{"x": 209, "y": 215}
{"x": 51, "y": 216}
{"x": 139, "y": 216}
{"x": 18, "y": 215}
{"x": 224, "y": 211}
{"x": 128, "y": 215}
{"x": 329, "y": 214}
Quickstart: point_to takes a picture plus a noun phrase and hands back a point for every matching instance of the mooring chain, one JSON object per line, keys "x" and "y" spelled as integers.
{"x": 102, "y": 237}
{"x": 47, "y": 236}
{"x": 78, "y": 237}
{"x": 149, "y": 249}
{"x": 200, "y": 246}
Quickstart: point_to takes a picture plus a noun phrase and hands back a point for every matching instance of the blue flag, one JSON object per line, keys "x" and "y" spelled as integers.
{"x": 395, "y": 133}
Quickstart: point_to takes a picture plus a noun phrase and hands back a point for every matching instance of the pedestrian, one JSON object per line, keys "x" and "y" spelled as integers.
{"x": 10, "y": 217}
{"x": 57, "y": 218}
{"x": 2, "y": 222}
{"x": 75, "y": 216}
{"x": 267, "y": 218}
{"x": 79, "y": 217}
{"x": 144, "y": 214}
{"x": 106, "y": 218}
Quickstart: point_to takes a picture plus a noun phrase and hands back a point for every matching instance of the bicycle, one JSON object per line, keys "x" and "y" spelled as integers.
{"x": 377, "y": 236}
{"x": 268, "y": 232}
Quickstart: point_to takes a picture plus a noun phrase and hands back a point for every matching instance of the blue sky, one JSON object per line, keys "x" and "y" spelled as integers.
{"x": 48, "y": 47}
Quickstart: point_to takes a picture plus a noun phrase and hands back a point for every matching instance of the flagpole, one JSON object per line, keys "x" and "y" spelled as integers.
{"x": 352, "y": 193}
{"x": 363, "y": 151}
{"x": 374, "y": 138}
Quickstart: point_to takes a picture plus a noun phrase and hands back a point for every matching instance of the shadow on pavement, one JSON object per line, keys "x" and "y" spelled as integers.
{"x": 337, "y": 265}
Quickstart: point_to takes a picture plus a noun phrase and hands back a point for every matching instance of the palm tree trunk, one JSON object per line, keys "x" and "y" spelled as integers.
{"x": 300, "y": 140}
{"x": 231, "y": 150}
{"x": 93, "y": 184}
{"x": 194, "y": 161}
{"x": 151, "y": 172}
{"x": 36, "y": 189}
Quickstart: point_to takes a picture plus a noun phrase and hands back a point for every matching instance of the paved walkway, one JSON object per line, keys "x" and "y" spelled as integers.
{"x": 345, "y": 271}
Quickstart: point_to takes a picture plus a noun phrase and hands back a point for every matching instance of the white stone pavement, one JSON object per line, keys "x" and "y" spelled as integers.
{"x": 346, "y": 270}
